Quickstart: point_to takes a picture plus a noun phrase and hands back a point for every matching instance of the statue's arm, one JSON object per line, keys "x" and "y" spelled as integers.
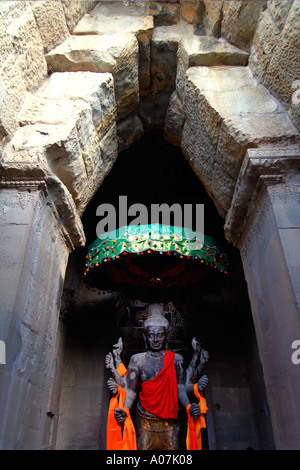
{"x": 181, "y": 387}
{"x": 109, "y": 362}
{"x": 180, "y": 373}
{"x": 132, "y": 384}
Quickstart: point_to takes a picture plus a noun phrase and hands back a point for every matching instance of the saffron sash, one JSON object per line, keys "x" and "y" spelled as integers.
{"x": 193, "y": 437}
{"x": 115, "y": 439}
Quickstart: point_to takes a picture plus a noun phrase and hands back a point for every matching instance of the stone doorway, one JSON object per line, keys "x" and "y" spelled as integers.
{"x": 218, "y": 314}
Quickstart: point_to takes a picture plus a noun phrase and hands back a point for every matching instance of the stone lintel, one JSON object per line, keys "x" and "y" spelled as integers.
{"x": 33, "y": 177}
{"x": 261, "y": 168}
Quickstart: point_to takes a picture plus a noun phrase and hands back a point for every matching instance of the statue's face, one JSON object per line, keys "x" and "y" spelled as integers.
{"x": 156, "y": 337}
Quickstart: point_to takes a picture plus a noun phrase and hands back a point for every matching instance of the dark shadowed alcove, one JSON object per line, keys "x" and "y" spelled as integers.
{"x": 215, "y": 310}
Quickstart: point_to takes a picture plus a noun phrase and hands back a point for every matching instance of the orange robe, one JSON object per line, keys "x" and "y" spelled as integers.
{"x": 115, "y": 439}
{"x": 193, "y": 437}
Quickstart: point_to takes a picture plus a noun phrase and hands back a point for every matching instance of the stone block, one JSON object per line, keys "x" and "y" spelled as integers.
{"x": 58, "y": 144}
{"x": 51, "y": 22}
{"x": 239, "y": 21}
{"x": 212, "y": 18}
{"x": 294, "y": 113}
{"x": 192, "y": 11}
{"x": 227, "y": 112}
{"x": 285, "y": 205}
{"x": 96, "y": 89}
{"x": 174, "y": 120}
{"x": 28, "y": 47}
{"x": 12, "y": 96}
{"x": 152, "y": 111}
{"x": 117, "y": 54}
{"x": 6, "y": 46}
{"x": 205, "y": 51}
{"x": 284, "y": 66}
{"x": 112, "y": 19}
{"x": 279, "y": 11}
{"x": 129, "y": 130}
{"x": 121, "y": 8}
{"x": 75, "y": 9}
{"x": 103, "y": 154}
{"x": 264, "y": 42}
{"x": 222, "y": 186}
{"x": 164, "y": 46}
{"x": 10, "y": 10}
{"x": 164, "y": 13}
{"x": 199, "y": 150}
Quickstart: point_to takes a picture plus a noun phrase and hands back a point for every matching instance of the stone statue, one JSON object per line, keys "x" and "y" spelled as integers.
{"x": 158, "y": 379}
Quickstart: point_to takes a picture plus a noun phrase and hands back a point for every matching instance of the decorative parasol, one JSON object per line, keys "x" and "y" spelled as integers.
{"x": 152, "y": 256}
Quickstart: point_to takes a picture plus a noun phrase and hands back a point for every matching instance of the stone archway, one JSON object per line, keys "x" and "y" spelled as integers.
{"x": 58, "y": 148}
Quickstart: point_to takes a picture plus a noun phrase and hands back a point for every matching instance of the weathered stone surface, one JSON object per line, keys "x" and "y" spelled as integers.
{"x": 240, "y": 20}
{"x": 164, "y": 46}
{"x": 121, "y": 8}
{"x": 108, "y": 147}
{"x": 51, "y": 22}
{"x": 28, "y": 48}
{"x": 212, "y": 18}
{"x": 117, "y": 54}
{"x": 12, "y": 95}
{"x": 152, "y": 111}
{"x": 267, "y": 162}
{"x": 206, "y": 51}
{"x": 284, "y": 66}
{"x": 174, "y": 120}
{"x": 66, "y": 125}
{"x": 264, "y": 42}
{"x": 10, "y": 11}
{"x": 279, "y": 11}
{"x": 192, "y": 11}
{"x": 6, "y": 46}
{"x": 98, "y": 23}
{"x": 58, "y": 145}
{"x": 22, "y": 62}
{"x": 97, "y": 89}
{"x": 75, "y": 9}
{"x": 226, "y": 113}
{"x": 110, "y": 18}
{"x": 164, "y": 13}
{"x": 129, "y": 130}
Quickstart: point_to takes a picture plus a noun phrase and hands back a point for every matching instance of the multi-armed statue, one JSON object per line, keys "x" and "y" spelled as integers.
{"x": 159, "y": 380}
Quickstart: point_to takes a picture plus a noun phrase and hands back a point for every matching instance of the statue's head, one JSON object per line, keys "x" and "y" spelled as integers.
{"x": 156, "y": 329}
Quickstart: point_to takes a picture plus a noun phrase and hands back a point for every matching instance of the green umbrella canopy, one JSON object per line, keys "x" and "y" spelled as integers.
{"x": 130, "y": 255}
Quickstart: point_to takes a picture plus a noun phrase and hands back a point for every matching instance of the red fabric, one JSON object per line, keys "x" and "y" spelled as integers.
{"x": 159, "y": 395}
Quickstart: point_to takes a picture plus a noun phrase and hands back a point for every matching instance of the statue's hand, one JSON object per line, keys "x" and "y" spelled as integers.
{"x": 120, "y": 415}
{"x": 112, "y": 386}
{"x": 195, "y": 410}
{"x": 202, "y": 383}
{"x": 204, "y": 356}
{"x": 109, "y": 361}
{"x": 196, "y": 345}
{"x": 118, "y": 348}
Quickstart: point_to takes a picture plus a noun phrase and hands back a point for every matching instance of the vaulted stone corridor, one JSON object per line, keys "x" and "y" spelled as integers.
{"x": 167, "y": 101}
